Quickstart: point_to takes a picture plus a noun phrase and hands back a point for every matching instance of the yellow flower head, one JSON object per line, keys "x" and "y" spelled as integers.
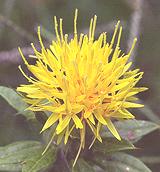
{"x": 82, "y": 82}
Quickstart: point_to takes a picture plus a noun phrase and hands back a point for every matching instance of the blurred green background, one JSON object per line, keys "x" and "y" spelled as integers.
{"x": 18, "y": 26}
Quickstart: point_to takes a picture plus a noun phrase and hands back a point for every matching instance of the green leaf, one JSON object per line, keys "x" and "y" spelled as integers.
{"x": 120, "y": 162}
{"x": 26, "y": 156}
{"x": 132, "y": 130}
{"x": 16, "y": 102}
{"x": 7, "y": 167}
{"x": 17, "y": 146}
{"x": 82, "y": 166}
{"x": 39, "y": 161}
{"x": 148, "y": 112}
{"x": 13, "y": 155}
{"x": 113, "y": 145}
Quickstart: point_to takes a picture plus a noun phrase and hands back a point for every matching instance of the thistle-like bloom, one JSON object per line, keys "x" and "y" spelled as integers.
{"x": 82, "y": 82}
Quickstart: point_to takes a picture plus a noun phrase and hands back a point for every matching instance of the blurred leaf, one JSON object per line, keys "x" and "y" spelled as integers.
{"x": 47, "y": 34}
{"x": 113, "y": 145}
{"x": 132, "y": 130}
{"x": 120, "y": 162}
{"x": 147, "y": 111}
{"x": 82, "y": 166}
{"x": 16, "y": 102}
{"x": 39, "y": 161}
{"x": 150, "y": 159}
{"x": 12, "y": 155}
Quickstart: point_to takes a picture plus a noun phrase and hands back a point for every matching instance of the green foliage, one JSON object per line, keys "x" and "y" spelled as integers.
{"x": 39, "y": 161}
{"x": 12, "y": 155}
{"x": 113, "y": 145}
{"x": 120, "y": 162}
{"x": 16, "y": 102}
{"x": 26, "y": 156}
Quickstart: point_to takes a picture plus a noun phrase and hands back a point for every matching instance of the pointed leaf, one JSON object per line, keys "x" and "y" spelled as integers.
{"x": 16, "y": 102}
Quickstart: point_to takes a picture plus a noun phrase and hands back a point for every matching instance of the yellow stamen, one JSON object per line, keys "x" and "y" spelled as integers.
{"x": 133, "y": 45}
{"x": 24, "y": 74}
{"x": 61, "y": 29}
{"x": 48, "y": 145}
{"x": 56, "y": 28}
{"x": 94, "y": 27}
{"x": 119, "y": 36}
{"x": 90, "y": 29}
{"x": 82, "y": 134}
{"x": 75, "y": 22}
{"x": 115, "y": 32}
{"x": 40, "y": 38}
{"x": 24, "y": 59}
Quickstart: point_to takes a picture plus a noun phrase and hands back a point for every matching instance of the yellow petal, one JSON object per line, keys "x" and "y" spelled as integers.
{"x": 66, "y": 135}
{"x": 123, "y": 113}
{"x": 91, "y": 118}
{"x": 100, "y": 118}
{"x": 76, "y": 108}
{"x": 80, "y": 98}
{"x": 94, "y": 131}
{"x": 63, "y": 124}
{"x": 131, "y": 105}
{"x": 87, "y": 114}
{"x": 120, "y": 86}
{"x": 139, "y": 89}
{"x": 60, "y": 109}
{"x": 77, "y": 121}
{"x": 50, "y": 121}
{"x": 126, "y": 114}
{"x": 112, "y": 129}
{"x": 98, "y": 128}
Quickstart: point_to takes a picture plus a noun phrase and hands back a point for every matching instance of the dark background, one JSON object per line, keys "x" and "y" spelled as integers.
{"x": 140, "y": 18}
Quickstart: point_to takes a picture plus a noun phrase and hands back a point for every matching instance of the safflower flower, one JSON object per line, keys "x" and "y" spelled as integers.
{"x": 82, "y": 81}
